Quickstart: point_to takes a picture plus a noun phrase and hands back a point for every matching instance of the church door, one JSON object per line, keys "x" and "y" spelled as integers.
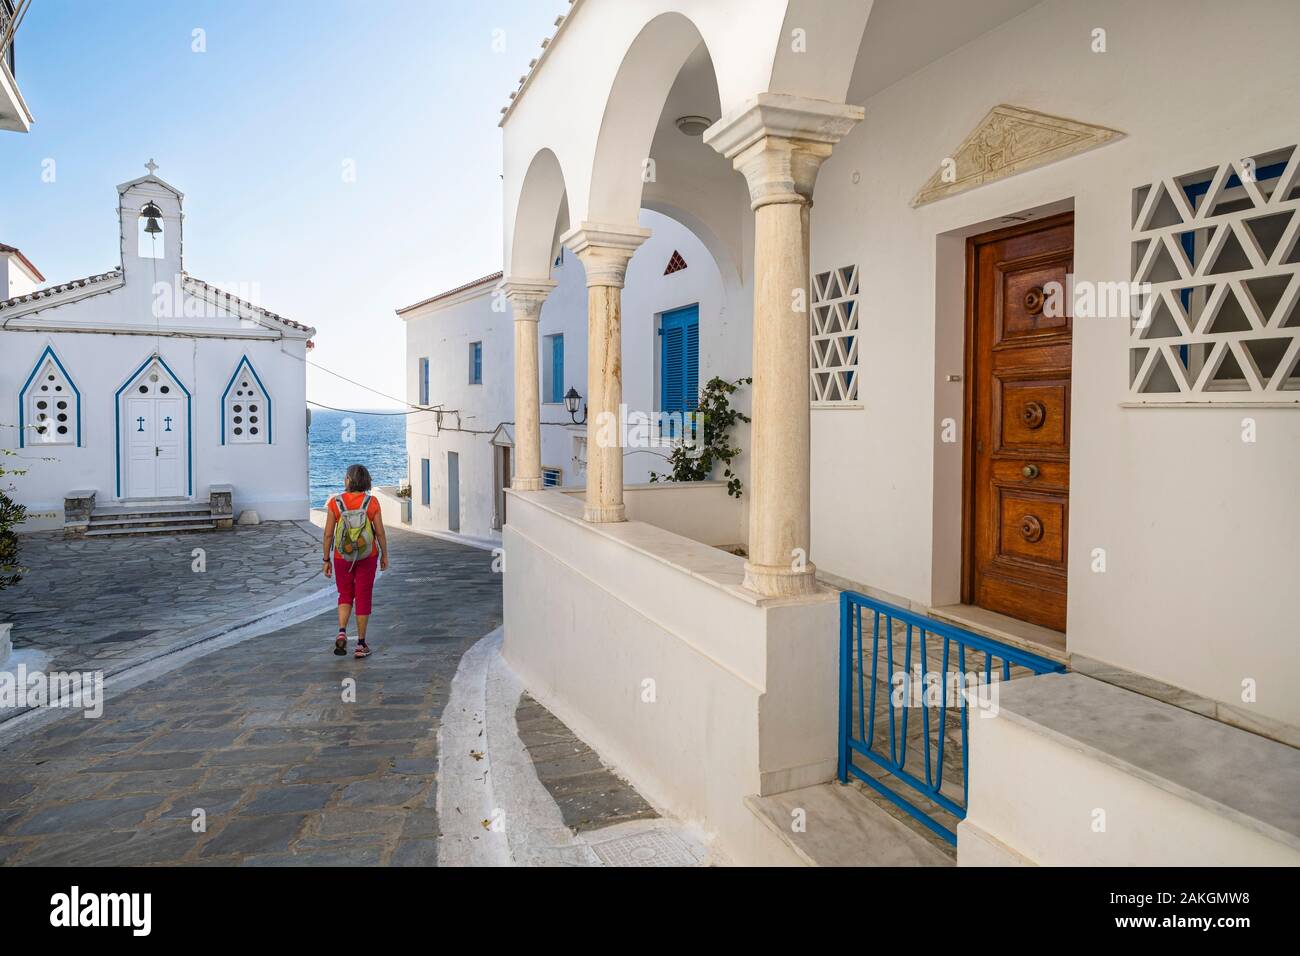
{"x": 155, "y": 423}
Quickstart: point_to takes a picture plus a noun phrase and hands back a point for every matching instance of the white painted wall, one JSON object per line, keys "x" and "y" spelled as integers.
{"x": 442, "y": 333}
{"x": 15, "y": 277}
{"x": 1199, "y": 528}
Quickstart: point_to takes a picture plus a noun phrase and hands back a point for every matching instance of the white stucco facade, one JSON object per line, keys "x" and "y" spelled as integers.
{"x": 442, "y": 330}
{"x": 162, "y": 384}
{"x": 1177, "y": 550}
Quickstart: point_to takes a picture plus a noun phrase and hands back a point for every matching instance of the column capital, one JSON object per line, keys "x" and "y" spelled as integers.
{"x": 604, "y": 250}
{"x": 778, "y": 142}
{"x": 527, "y": 296}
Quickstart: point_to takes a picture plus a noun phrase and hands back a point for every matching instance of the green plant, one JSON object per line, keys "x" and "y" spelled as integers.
{"x": 695, "y": 461}
{"x": 403, "y": 491}
{"x": 11, "y": 515}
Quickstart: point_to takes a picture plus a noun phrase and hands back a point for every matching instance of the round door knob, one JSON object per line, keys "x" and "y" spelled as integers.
{"x": 1031, "y": 529}
{"x": 1034, "y": 300}
{"x": 1033, "y": 414}
{"x": 1030, "y": 471}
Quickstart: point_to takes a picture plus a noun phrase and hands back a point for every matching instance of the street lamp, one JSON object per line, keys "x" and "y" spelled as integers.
{"x": 571, "y": 401}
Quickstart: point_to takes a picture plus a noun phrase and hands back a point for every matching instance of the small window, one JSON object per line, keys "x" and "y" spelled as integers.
{"x": 424, "y": 381}
{"x": 150, "y": 232}
{"x": 553, "y": 371}
{"x": 424, "y": 482}
{"x": 552, "y": 478}
{"x": 246, "y": 408}
{"x": 476, "y": 363}
{"x": 51, "y": 406}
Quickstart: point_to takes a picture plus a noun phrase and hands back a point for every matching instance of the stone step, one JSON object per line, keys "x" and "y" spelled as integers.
{"x": 842, "y": 827}
{"x": 149, "y": 518}
{"x": 150, "y": 529}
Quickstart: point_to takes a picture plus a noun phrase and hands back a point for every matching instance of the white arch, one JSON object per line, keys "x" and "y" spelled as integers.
{"x": 542, "y": 211}
{"x": 818, "y": 48}
{"x": 632, "y": 111}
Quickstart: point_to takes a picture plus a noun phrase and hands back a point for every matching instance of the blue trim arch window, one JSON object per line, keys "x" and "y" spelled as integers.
{"x": 245, "y": 408}
{"x": 49, "y": 405}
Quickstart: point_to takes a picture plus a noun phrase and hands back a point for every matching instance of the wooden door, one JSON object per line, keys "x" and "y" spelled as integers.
{"x": 1017, "y": 488}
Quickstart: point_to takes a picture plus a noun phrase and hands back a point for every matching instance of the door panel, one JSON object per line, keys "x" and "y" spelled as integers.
{"x": 169, "y": 430}
{"x": 142, "y": 469}
{"x": 453, "y": 491}
{"x": 1018, "y": 417}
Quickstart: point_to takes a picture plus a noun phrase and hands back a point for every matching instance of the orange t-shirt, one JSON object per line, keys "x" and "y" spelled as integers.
{"x": 353, "y": 499}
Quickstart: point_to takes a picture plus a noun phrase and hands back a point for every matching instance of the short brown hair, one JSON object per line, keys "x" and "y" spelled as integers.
{"x": 358, "y": 479}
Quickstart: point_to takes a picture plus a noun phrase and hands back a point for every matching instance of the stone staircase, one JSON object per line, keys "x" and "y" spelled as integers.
{"x": 151, "y": 519}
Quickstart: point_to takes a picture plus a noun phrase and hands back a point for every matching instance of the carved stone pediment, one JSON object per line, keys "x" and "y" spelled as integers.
{"x": 1010, "y": 140}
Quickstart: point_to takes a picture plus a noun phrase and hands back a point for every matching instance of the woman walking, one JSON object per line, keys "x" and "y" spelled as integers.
{"x": 355, "y": 547}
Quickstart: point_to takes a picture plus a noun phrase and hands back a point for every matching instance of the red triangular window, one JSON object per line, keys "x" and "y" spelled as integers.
{"x": 675, "y": 264}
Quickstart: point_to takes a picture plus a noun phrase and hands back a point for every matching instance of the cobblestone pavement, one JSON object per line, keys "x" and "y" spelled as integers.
{"x": 260, "y": 739}
{"x": 104, "y": 603}
{"x": 589, "y": 795}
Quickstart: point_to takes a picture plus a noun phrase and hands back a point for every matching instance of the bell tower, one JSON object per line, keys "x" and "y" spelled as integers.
{"x": 151, "y": 222}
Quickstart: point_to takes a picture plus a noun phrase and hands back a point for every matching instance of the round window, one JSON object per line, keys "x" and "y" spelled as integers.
{"x": 62, "y": 417}
{"x": 144, "y": 389}
{"x": 239, "y": 431}
{"x": 165, "y": 389}
{"x": 252, "y": 408}
{"x": 239, "y": 408}
{"x": 42, "y": 404}
{"x": 253, "y": 419}
{"x": 253, "y": 431}
{"x": 59, "y": 405}
{"x": 63, "y": 429}
{"x": 238, "y": 420}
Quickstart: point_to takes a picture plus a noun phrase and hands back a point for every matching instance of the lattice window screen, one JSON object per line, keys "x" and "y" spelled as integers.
{"x": 1219, "y": 248}
{"x": 834, "y": 351}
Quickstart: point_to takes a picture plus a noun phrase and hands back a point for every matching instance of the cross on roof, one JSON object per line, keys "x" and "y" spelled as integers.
{"x": 151, "y": 166}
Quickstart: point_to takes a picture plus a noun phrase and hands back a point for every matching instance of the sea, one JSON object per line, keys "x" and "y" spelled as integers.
{"x": 340, "y": 439}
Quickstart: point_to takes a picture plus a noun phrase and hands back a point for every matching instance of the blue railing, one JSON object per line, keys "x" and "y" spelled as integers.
{"x": 873, "y": 692}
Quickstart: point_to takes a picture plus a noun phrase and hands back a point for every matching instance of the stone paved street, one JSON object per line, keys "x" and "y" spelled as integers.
{"x": 259, "y": 736}
{"x": 104, "y": 603}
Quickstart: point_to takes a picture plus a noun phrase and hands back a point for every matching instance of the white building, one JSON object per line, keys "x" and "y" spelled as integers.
{"x": 460, "y": 360}
{"x": 14, "y": 114}
{"x": 149, "y": 390}
{"x": 927, "y": 182}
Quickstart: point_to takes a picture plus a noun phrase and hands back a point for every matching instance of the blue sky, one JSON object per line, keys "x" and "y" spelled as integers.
{"x": 256, "y": 131}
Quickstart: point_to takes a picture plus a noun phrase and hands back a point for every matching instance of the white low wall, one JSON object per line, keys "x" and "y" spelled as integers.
{"x": 1075, "y": 772}
{"x": 699, "y": 510}
{"x": 645, "y": 644}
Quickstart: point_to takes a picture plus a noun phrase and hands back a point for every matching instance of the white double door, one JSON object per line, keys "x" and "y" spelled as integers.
{"x": 156, "y": 447}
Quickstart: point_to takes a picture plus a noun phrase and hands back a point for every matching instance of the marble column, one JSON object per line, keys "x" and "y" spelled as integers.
{"x": 779, "y": 142}
{"x": 604, "y": 251}
{"x": 526, "y": 297}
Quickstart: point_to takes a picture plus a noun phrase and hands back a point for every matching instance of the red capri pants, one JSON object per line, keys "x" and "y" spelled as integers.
{"x": 356, "y": 582}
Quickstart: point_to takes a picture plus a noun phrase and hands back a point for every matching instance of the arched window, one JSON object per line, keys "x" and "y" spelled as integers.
{"x": 150, "y": 232}
{"x": 245, "y": 408}
{"x": 49, "y": 405}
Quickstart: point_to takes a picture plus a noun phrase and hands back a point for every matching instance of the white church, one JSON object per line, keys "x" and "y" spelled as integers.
{"x": 146, "y": 393}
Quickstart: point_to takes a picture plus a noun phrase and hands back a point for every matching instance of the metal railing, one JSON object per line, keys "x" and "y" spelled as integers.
{"x": 877, "y": 700}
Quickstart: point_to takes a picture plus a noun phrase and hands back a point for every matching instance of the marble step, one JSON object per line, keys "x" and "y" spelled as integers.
{"x": 145, "y": 529}
{"x": 842, "y": 827}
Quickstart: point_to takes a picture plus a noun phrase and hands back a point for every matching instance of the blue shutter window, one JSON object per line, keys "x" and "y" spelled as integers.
{"x": 679, "y": 350}
{"x": 476, "y": 363}
{"x": 557, "y": 369}
{"x": 550, "y": 478}
{"x": 424, "y": 482}
{"x": 424, "y": 381}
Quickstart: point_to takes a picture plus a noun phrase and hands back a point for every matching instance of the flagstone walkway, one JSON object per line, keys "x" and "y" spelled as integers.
{"x": 102, "y": 604}
{"x": 259, "y": 754}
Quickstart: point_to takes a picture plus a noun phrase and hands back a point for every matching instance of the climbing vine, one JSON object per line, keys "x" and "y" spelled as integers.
{"x": 696, "y": 460}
